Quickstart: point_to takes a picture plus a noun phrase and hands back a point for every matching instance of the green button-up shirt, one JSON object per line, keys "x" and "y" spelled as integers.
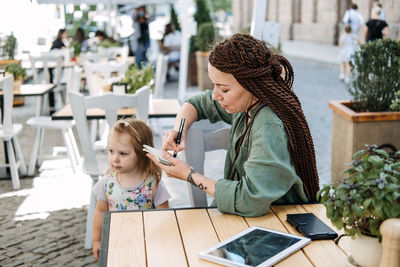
{"x": 263, "y": 172}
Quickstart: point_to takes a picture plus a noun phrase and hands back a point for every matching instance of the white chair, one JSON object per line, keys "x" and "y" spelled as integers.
{"x": 114, "y": 52}
{"x": 160, "y": 75}
{"x": 47, "y": 61}
{"x": 105, "y": 69}
{"x": 40, "y": 123}
{"x": 9, "y": 132}
{"x": 202, "y": 137}
{"x": 95, "y": 165}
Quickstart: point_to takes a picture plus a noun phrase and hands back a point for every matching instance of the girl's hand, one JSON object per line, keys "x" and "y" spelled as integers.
{"x": 96, "y": 249}
{"x": 179, "y": 168}
{"x": 169, "y": 141}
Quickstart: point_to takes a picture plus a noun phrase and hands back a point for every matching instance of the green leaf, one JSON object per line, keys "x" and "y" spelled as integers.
{"x": 357, "y": 210}
{"x": 376, "y": 161}
{"x": 367, "y": 202}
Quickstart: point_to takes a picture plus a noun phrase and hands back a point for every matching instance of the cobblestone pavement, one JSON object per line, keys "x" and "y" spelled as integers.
{"x": 57, "y": 240}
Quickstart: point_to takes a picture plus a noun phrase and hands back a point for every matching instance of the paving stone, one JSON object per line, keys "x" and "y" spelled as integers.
{"x": 11, "y": 253}
{"x": 12, "y": 263}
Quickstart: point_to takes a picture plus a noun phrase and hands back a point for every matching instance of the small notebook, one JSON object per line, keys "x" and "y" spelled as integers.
{"x": 157, "y": 154}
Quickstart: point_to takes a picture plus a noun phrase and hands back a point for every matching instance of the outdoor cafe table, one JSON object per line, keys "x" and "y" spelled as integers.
{"x": 38, "y": 90}
{"x": 174, "y": 237}
{"x": 158, "y": 108}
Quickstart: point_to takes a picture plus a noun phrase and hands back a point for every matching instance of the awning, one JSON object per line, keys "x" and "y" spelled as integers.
{"x": 94, "y": 2}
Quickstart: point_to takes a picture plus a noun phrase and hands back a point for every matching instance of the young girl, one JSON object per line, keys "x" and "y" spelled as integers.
{"x": 348, "y": 43}
{"x": 133, "y": 181}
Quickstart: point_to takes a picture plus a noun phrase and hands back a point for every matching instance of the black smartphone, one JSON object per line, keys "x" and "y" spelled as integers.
{"x": 311, "y": 226}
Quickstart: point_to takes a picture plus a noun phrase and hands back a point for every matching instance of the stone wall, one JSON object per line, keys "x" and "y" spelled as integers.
{"x": 314, "y": 20}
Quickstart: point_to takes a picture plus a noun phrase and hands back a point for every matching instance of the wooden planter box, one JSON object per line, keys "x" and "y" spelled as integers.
{"x": 203, "y": 80}
{"x": 352, "y": 130}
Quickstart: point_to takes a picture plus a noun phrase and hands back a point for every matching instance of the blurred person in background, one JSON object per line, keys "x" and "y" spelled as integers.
{"x": 142, "y": 37}
{"x": 348, "y": 44}
{"x": 376, "y": 28}
{"x": 81, "y": 38}
{"x": 61, "y": 40}
{"x": 354, "y": 18}
{"x": 170, "y": 45}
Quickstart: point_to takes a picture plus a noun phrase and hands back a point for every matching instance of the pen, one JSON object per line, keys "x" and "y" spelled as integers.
{"x": 178, "y": 138}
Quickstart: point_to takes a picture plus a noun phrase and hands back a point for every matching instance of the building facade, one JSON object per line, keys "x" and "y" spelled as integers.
{"x": 313, "y": 20}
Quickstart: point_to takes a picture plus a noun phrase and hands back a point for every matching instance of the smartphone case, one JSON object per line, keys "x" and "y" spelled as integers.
{"x": 311, "y": 226}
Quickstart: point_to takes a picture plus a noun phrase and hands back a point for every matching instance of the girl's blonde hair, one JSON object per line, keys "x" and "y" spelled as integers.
{"x": 141, "y": 135}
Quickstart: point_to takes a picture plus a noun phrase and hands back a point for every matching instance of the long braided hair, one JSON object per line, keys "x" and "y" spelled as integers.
{"x": 269, "y": 77}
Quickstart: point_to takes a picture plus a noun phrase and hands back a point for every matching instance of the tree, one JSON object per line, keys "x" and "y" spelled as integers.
{"x": 174, "y": 18}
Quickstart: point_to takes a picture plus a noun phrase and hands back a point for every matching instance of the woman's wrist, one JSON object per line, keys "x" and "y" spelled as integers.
{"x": 189, "y": 177}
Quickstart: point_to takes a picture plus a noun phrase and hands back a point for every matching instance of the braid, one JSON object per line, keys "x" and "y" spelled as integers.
{"x": 270, "y": 78}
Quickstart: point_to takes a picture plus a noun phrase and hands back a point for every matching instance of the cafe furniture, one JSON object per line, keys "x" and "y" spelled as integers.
{"x": 41, "y": 123}
{"x": 52, "y": 66}
{"x": 201, "y": 137}
{"x": 99, "y": 73}
{"x": 174, "y": 237}
{"x": 158, "y": 108}
{"x": 96, "y": 165}
{"x": 9, "y": 132}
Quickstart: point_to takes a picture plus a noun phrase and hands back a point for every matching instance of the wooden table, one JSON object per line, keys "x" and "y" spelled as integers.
{"x": 38, "y": 90}
{"x": 174, "y": 237}
{"x": 158, "y": 108}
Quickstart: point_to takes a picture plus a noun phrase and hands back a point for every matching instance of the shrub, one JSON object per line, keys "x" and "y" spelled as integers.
{"x": 205, "y": 36}
{"x": 375, "y": 71}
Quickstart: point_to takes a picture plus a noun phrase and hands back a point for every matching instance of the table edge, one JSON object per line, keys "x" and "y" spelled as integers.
{"x": 104, "y": 239}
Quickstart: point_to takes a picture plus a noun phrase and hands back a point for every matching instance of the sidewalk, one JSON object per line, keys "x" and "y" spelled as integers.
{"x": 307, "y": 50}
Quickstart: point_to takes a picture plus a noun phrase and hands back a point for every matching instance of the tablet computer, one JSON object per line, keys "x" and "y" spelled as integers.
{"x": 255, "y": 246}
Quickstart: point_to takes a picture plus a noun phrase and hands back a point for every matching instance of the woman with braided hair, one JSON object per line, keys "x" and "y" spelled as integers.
{"x": 270, "y": 159}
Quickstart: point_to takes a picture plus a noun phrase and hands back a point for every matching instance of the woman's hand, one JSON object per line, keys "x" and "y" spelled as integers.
{"x": 179, "y": 168}
{"x": 169, "y": 141}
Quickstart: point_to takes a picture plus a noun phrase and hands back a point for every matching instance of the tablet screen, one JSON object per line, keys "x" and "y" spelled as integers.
{"x": 255, "y": 247}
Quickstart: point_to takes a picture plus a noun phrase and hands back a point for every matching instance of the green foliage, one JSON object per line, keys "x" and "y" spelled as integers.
{"x": 395, "y": 106}
{"x": 107, "y": 43}
{"x": 368, "y": 195}
{"x": 225, "y": 5}
{"x": 375, "y": 71}
{"x": 174, "y": 18}
{"x": 136, "y": 78}
{"x": 77, "y": 48}
{"x": 205, "y": 36}
{"x": 10, "y": 46}
{"x": 202, "y": 15}
{"x": 17, "y": 71}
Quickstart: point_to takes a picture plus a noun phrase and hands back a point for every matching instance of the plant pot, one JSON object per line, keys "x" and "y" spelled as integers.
{"x": 203, "y": 80}
{"x": 366, "y": 251}
{"x": 192, "y": 70}
{"x": 18, "y": 100}
{"x": 352, "y": 130}
{"x": 5, "y": 62}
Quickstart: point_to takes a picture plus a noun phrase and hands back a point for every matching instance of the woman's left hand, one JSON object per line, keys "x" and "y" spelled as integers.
{"x": 179, "y": 168}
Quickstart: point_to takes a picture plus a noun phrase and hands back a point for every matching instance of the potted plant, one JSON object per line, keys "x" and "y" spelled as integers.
{"x": 19, "y": 74}
{"x": 8, "y": 49}
{"x": 204, "y": 40}
{"x": 136, "y": 78}
{"x": 369, "y": 194}
{"x": 77, "y": 49}
{"x": 367, "y": 119}
{"x": 202, "y": 15}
